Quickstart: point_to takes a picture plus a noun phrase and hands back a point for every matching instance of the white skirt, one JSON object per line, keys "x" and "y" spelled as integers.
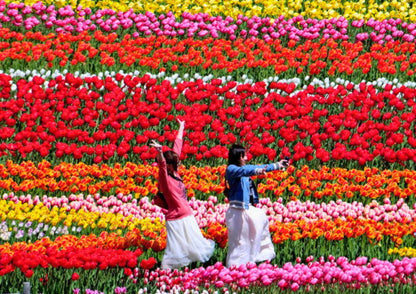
{"x": 185, "y": 243}
{"x": 248, "y": 236}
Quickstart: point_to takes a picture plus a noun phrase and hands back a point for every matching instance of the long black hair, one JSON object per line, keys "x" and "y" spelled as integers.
{"x": 235, "y": 153}
{"x": 172, "y": 158}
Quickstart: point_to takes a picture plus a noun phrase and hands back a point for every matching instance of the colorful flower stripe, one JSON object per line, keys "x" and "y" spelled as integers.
{"x": 66, "y": 19}
{"x": 312, "y": 123}
{"x": 403, "y": 9}
{"x": 323, "y": 56}
{"x": 140, "y": 180}
{"x": 394, "y": 221}
{"x": 354, "y": 274}
{"x": 93, "y": 212}
{"x": 344, "y": 97}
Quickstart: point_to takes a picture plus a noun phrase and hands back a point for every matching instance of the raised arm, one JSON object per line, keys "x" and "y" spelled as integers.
{"x": 159, "y": 200}
{"x": 181, "y": 128}
{"x": 177, "y": 146}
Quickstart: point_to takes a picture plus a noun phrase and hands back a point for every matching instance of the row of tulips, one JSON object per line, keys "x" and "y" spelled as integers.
{"x": 86, "y": 258}
{"x": 79, "y": 216}
{"x": 96, "y": 212}
{"x": 87, "y": 253}
{"x": 176, "y": 78}
{"x": 114, "y": 215}
{"x": 132, "y": 181}
{"x": 332, "y": 231}
{"x": 296, "y": 220}
{"x": 66, "y": 19}
{"x": 308, "y": 275}
{"x": 160, "y": 52}
{"x": 314, "y": 275}
{"x": 405, "y": 251}
{"x": 104, "y": 118}
{"x": 135, "y": 238}
{"x": 353, "y": 274}
{"x": 403, "y": 9}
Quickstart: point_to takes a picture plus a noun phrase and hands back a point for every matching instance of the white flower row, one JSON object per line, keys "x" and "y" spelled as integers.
{"x": 174, "y": 79}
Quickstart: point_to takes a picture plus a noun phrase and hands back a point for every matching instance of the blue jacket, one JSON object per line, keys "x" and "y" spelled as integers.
{"x": 238, "y": 178}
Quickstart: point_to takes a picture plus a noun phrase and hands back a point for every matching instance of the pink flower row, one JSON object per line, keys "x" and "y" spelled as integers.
{"x": 352, "y": 274}
{"x": 210, "y": 211}
{"x": 202, "y": 25}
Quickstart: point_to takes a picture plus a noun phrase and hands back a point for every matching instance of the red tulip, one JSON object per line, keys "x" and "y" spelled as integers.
{"x": 75, "y": 276}
{"x": 148, "y": 263}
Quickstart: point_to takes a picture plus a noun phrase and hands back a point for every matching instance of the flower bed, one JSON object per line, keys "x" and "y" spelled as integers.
{"x": 85, "y": 86}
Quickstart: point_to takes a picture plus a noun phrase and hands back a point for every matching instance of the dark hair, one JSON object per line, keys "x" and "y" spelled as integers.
{"x": 235, "y": 153}
{"x": 172, "y": 158}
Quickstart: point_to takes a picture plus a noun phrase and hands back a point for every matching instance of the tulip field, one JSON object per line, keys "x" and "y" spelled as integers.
{"x": 86, "y": 85}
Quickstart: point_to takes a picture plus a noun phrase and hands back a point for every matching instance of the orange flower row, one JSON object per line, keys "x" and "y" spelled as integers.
{"x": 156, "y": 52}
{"x": 80, "y": 177}
{"x": 341, "y": 182}
{"x": 339, "y": 229}
{"x": 141, "y": 180}
{"x": 135, "y": 238}
{"x": 333, "y": 230}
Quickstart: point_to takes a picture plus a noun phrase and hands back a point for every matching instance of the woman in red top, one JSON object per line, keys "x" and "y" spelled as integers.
{"x": 185, "y": 242}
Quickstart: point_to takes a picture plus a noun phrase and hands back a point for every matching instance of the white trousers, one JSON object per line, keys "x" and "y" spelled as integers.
{"x": 248, "y": 236}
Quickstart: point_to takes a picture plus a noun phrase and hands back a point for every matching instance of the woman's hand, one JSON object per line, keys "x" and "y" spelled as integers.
{"x": 283, "y": 164}
{"x": 261, "y": 171}
{"x": 156, "y": 145}
{"x": 181, "y": 128}
{"x": 181, "y": 123}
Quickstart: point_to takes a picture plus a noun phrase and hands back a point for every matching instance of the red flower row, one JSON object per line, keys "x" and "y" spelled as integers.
{"x": 88, "y": 252}
{"x": 312, "y": 57}
{"x": 116, "y": 117}
{"x": 85, "y": 258}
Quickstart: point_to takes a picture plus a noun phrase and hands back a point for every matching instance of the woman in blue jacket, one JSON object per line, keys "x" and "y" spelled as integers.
{"x": 248, "y": 227}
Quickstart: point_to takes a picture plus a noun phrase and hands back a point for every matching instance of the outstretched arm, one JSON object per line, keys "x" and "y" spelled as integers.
{"x": 281, "y": 165}
{"x": 249, "y": 170}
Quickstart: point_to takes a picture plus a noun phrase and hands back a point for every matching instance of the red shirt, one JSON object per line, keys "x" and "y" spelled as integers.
{"x": 176, "y": 203}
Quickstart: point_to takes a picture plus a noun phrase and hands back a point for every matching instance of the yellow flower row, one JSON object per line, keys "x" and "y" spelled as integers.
{"x": 40, "y": 213}
{"x": 376, "y": 9}
{"x": 405, "y": 251}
